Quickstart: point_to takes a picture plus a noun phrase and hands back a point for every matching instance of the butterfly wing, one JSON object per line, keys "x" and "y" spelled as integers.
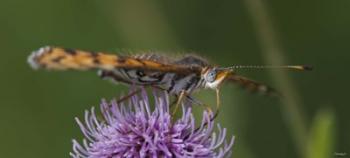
{"x": 56, "y": 58}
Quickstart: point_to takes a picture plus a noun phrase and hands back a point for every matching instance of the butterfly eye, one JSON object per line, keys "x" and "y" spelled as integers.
{"x": 211, "y": 76}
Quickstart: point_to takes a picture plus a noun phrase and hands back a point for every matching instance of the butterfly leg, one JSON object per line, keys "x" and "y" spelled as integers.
{"x": 217, "y": 108}
{"x": 175, "y": 95}
{"x": 173, "y": 103}
{"x": 197, "y": 102}
{"x": 124, "y": 98}
{"x": 179, "y": 100}
{"x": 217, "y": 103}
{"x": 208, "y": 108}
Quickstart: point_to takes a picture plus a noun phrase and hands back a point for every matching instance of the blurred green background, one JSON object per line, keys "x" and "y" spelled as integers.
{"x": 38, "y": 108}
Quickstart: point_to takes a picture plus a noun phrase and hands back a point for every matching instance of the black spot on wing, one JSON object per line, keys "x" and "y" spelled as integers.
{"x": 70, "y": 51}
{"x": 57, "y": 59}
{"x": 96, "y": 61}
{"x": 94, "y": 56}
{"x": 121, "y": 60}
{"x": 140, "y": 61}
{"x": 48, "y": 50}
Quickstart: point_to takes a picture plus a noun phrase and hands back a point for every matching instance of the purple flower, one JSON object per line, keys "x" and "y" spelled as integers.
{"x": 134, "y": 131}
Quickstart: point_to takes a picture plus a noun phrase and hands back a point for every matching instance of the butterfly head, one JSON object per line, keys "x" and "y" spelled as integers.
{"x": 215, "y": 76}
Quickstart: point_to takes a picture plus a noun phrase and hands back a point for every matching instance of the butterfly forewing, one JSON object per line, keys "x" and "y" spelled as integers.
{"x": 173, "y": 75}
{"x": 61, "y": 59}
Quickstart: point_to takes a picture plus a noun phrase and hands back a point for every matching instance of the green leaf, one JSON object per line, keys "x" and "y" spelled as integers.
{"x": 321, "y": 140}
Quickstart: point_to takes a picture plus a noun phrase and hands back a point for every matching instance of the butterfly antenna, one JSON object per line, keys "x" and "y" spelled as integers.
{"x": 291, "y": 67}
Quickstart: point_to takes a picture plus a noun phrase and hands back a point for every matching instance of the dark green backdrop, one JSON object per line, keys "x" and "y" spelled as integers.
{"x": 37, "y": 108}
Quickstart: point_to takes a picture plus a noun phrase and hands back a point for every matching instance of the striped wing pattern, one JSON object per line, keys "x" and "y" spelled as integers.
{"x": 139, "y": 70}
{"x": 174, "y": 75}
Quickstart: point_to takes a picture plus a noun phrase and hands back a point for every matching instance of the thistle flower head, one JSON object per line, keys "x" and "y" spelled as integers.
{"x": 136, "y": 131}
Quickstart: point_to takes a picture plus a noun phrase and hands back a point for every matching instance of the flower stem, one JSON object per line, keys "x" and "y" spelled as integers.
{"x": 273, "y": 55}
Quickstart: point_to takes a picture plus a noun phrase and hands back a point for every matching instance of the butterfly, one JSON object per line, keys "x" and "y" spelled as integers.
{"x": 180, "y": 77}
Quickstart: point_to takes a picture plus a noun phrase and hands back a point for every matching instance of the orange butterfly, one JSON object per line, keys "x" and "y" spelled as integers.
{"x": 180, "y": 77}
